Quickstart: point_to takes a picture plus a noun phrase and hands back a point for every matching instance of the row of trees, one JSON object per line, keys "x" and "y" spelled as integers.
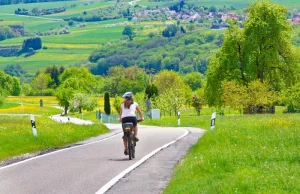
{"x": 6, "y": 32}
{"x": 8, "y": 2}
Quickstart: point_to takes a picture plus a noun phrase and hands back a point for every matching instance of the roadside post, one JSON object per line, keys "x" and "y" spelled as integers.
{"x": 178, "y": 118}
{"x": 41, "y": 103}
{"x": 213, "y": 121}
{"x": 34, "y": 131}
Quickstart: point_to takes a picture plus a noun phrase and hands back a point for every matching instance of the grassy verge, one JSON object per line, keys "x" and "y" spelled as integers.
{"x": 16, "y": 136}
{"x": 244, "y": 154}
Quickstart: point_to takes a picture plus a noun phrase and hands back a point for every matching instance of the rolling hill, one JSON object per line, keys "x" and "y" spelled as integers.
{"x": 75, "y": 47}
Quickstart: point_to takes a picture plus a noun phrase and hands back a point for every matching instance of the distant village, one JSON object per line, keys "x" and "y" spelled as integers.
{"x": 216, "y": 19}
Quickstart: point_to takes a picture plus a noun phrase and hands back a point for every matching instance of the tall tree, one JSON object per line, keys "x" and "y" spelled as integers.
{"x": 41, "y": 82}
{"x": 262, "y": 50}
{"x": 128, "y": 31}
{"x": 107, "y": 108}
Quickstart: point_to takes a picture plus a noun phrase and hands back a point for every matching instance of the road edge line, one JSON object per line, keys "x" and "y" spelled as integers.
{"x": 60, "y": 150}
{"x": 113, "y": 181}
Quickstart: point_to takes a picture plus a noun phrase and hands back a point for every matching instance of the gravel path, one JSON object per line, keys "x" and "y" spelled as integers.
{"x": 77, "y": 121}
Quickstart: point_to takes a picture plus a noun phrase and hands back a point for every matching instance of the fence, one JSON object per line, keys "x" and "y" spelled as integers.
{"x": 114, "y": 117}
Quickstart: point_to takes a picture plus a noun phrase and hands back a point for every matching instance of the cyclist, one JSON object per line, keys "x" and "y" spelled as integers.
{"x": 128, "y": 114}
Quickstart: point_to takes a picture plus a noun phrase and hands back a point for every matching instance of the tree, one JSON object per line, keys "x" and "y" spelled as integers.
{"x": 140, "y": 98}
{"x": 151, "y": 91}
{"x": 16, "y": 87}
{"x": 262, "y": 50}
{"x": 258, "y": 94}
{"x": 234, "y": 95}
{"x": 117, "y": 103}
{"x": 212, "y": 9}
{"x": 170, "y": 31}
{"x": 194, "y": 80}
{"x": 34, "y": 43}
{"x": 54, "y": 73}
{"x": 198, "y": 100}
{"x": 78, "y": 78}
{"x": 151, "y": 35}
{"x": 64, "y": 95}
{"x": 107, "y": 109}
{"x": 41, "y": 82}
{"x": 6, "y": 32}
{"x": 83, "y": 102}
{"x": 128, "y": 31}
{"x": 166, "y": 80}
{"x": 3, "y": 95}
{"x": 291, "y": 98}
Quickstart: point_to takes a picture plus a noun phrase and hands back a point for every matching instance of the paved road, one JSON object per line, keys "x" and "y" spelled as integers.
{"x": 82, "y": 169}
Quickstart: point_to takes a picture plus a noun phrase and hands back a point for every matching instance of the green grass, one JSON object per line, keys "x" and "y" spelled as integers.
{"x": 7, "y": 105}
{"x": 16, "y": 136}
{"x": 244, "y": 154}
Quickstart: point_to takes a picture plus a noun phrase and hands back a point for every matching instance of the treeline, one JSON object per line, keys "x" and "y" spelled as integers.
{"x": 119, "y": 10}
{"x": 37, "y": 11}
{"x": 6, "y": 32}
{"x": 8, "y": 86}
{"x": 8, "y": 2}
{"x": 183, "y": 53}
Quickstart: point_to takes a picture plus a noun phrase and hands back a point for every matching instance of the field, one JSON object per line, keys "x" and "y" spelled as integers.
{"x": 15, "y": 128}
{"x": 244, "y": 154}
{"x": 15, "y": 133}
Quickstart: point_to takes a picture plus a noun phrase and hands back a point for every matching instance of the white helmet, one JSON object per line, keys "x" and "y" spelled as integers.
{"x": 128, "y": 95}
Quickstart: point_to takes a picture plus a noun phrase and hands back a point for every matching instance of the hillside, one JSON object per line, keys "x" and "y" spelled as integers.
{"x": 68, "y": 42}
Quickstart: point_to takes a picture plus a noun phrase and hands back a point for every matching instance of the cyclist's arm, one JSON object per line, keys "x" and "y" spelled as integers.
{"x": 140, "y": 112}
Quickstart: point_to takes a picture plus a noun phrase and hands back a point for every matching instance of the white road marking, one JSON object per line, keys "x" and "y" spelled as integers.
{"x": 55, "y": 152}
{"x": 113, "y": 181}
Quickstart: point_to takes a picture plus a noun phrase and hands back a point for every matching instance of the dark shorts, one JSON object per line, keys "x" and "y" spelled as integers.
{"x": 130, "y": 120}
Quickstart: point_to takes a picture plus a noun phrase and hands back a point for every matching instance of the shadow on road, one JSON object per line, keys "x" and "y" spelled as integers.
{"x": 118, "y": 159}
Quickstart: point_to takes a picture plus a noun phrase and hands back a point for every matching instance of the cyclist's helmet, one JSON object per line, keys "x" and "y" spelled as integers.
{"x": 128, "y": 95}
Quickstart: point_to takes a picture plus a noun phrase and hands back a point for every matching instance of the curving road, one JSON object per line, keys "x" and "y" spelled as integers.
{"x": 82, "y": 169}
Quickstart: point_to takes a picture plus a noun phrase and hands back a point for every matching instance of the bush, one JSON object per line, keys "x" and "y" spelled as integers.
{"x": 71, "y": 23}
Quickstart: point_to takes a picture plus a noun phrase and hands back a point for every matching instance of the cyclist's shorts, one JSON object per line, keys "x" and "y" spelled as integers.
{"x": 130, "y": 120}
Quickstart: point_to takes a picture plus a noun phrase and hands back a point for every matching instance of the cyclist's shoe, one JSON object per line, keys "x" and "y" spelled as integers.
{"x": 126, "y": 152}
{"x": 136, "y": 139}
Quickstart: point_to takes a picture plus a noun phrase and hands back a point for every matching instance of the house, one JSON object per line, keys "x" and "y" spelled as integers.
{"x": 296, "y": 19}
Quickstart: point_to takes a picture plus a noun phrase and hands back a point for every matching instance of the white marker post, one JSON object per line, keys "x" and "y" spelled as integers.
{"x": 34, "y": 131}
{"x": 178, "y": 118}
{"x": 213, "y": 121}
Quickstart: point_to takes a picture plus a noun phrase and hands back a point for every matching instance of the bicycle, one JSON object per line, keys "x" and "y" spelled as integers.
{"x": 129, "y": 136}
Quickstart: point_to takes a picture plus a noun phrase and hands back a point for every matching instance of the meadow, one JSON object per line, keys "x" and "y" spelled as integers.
{"x": 16, "y": 136}
{"x": 243, "y": 154}
{"x": 15, "y": 128}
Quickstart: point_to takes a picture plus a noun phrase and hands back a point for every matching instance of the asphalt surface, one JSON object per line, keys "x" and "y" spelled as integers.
{"x": 82, "y": 169}
{"x": 154, "y": 174}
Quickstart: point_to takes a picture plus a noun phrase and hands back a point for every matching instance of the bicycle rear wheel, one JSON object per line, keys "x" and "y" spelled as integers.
{"x": 133, "y": 148}
{"x": 129, "y": 148}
